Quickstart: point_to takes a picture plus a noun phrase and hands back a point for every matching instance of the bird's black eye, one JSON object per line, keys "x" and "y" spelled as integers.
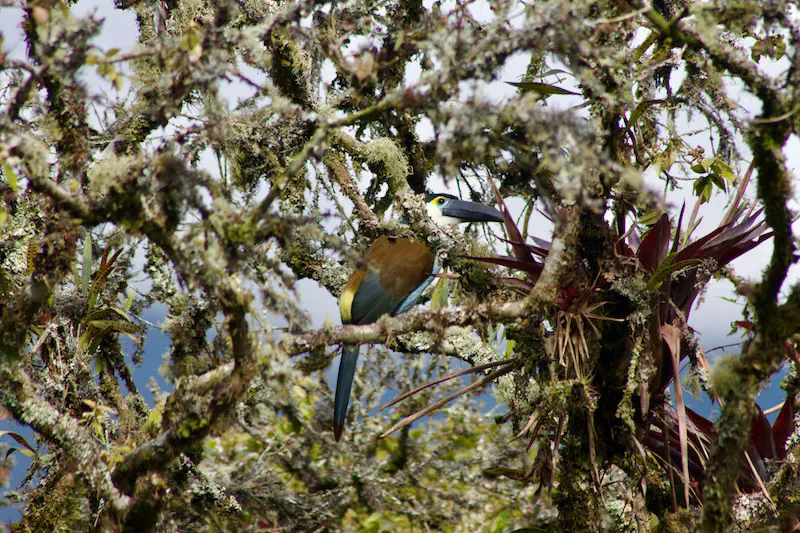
{"x": 440, "y": 201}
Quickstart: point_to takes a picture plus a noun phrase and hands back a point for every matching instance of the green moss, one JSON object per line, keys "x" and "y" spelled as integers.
{"x": 188, "y": 12}
{"x": 386, "y": 154}
{"x": 111, "y": 173}
{"x": 190, "y": 425}
{"x": 61, "y": 507}
{"x": 725, "y": 376}
{"x": 153, "y": 424}
{"x": 679, "y": 522}
{"x": 625, "y": 411}
{"x": 289, "y": 66}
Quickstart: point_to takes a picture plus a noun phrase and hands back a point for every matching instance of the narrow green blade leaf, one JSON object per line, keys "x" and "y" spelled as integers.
{"x": 126, "y": 306}
{"x": 641, "y": 108}
{"x": 86, "y": 271}
{"x": 21, "y": 440}
{"x": 541, "y": 88}
{"x": 440, "y": 294}
{"x": 11, "y": 177}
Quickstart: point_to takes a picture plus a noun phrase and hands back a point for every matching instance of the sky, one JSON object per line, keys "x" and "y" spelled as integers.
{"x": 711, "y": 319}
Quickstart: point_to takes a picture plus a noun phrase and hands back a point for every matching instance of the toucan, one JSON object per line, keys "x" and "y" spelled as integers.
{"x": 397, "y": 271}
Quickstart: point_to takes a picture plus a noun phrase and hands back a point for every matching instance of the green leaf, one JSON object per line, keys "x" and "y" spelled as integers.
{"x": 541, "y": 88}
{"x": 26, "y": 452}
{"x": 3, "y": 216}
{"x": 718, "y": 180}
{"x": 758, "y": 50}
{"x": 645, "y": 46}
{"x": 440, "y": 294}
{"x": 86, "y": 271}
{"x": 85, "y": 340}
{"x": 100, "y": 407}
{"x": 11, "y": 177}
{"x": 665, "y": 159}
{"x": 126, "y": 306}
{"x": 153, "y": 424}
{"x": 94, "y": 344}
{"x": 114, "y": 326}
{"x": 510, "y": 345}
{"x": 106, "y": 266}
{"x": 23, "y": 451}
{"x": 650, "y": 217}
{"x": 27, "y": 448}
{"x": 107, "y": 314}
{"x": 702, "y": 188}
{"x": 666, "y": 268}
{"x": 779, "y": 47}
{"x": 190, "y": 40}
{"x": 724, "y": 170}
{"x": 641, "y": 108}
{"x": 772, "y": 46}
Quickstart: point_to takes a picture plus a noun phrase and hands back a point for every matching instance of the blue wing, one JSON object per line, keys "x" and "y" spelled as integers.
{"x": 372, "y": 300}
{"x": 412, "y": 299}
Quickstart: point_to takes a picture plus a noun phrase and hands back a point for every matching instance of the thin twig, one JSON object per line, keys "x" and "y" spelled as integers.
{"x": 774, "y": 409}
{"x": 444, "y": 378}
{"x": 419, "y": 414}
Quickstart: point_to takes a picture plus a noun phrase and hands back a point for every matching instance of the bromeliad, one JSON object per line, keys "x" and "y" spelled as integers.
{"x": 397, "y": 272}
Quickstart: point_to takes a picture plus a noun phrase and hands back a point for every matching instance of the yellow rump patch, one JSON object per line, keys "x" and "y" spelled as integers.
{"x": 348, "y": 294}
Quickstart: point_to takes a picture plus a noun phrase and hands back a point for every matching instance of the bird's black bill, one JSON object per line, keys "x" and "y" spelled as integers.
{"x": 471, "y": 211}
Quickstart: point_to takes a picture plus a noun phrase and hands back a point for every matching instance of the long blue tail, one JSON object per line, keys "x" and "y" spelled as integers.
{"x": 347, "y": 369}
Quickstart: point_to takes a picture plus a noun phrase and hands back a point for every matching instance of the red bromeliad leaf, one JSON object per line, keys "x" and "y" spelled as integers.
{"x": 676, "y": 243}
{"x": 521, "y": 251}
{"x": 541, "y": 243}
{"x": 758, "y": 469}
{"x": 725, "y": 241}
{"x": 723, "y": 252}
{"x": 622, "y": 248}
{"x": 723, "y": 245}
{"x": 761, "y": 436}
{"x": 534, "y": 268}
{"x": 672, "y": 336}
{"x": 654, "y": 442}
{"x": 538, "y": 250}
{"x": 693, "y": 250}
{"x": 726, "y": 256}
{"x": 703, "y": 424}
{"x": 655, "y": 244}
{"x": 698, "y": 431}
{"x": 566, "y": 296}
{"x": 518, "y": 283}
{"x": 783, "y": 427}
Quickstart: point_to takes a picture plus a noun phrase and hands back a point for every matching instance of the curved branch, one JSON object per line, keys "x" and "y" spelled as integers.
{"x": 386, "y": 328}
{"x": 20, "y": 398}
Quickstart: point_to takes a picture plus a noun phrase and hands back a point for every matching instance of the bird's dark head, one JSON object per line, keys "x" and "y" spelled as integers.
{"x": 446, "y": 209}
